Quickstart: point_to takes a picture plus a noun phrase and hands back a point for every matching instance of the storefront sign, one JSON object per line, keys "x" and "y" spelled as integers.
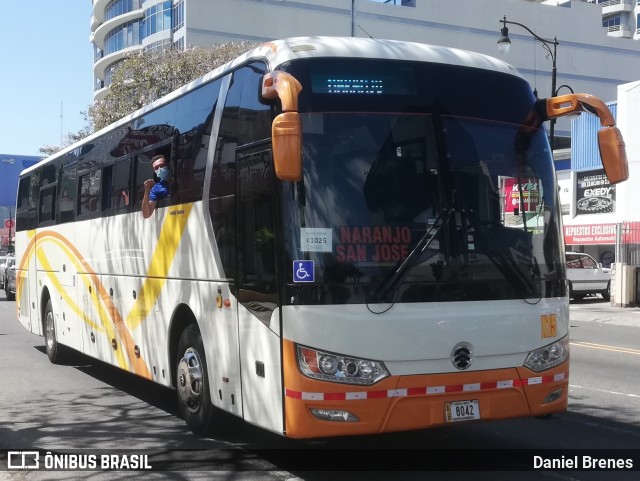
{"x": 594, "y": 194}
{"x": 590, "y": 234}
{"x": 602, "y": 234}
{"x": 528, "y": 189}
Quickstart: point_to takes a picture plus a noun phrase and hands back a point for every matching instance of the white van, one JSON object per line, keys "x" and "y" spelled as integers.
{"x": 586, "y": 276}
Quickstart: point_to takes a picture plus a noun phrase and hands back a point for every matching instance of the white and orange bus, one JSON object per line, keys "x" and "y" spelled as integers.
{"x": 338, "y": 255}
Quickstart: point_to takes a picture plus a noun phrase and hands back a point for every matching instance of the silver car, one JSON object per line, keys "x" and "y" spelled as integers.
{"x": 10, "y": 282}
{"x": 586, "y": 276}
{"x": 4, "y": 265}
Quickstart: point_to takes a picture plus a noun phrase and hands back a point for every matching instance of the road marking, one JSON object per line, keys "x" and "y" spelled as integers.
{"x": 605, "y": 391}
{"x": 605, "y": 347}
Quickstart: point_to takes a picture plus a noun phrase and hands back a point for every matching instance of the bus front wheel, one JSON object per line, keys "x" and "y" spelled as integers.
{"x": 53, "y": 348}
{"x": 192, "y": 382}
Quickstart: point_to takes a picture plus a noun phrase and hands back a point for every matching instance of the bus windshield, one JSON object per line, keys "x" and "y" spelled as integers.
{"x": 416, "y": 197}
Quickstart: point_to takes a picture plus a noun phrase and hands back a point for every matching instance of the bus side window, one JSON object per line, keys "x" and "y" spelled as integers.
{"x": 67, "y": 192}
{"x": 120, "y": 180}
{"x": 47, "y": 214}
{"x": 22, "y": 204}
{"x": 143, "y": 171}
{"x": 89, "y": 198}
{"x": 47, "y": 196}
{"x": 28, "y": 196}
{"x": 107, "y": 174}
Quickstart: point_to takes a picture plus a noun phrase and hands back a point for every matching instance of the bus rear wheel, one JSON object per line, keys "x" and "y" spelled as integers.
{"x": 192, "y": 382}
{"x": 51, "y": 345}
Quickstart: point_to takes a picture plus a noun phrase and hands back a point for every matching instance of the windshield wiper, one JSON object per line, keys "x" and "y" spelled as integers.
{"x": 425, "y": 241}
{"x": 503, "y": 259}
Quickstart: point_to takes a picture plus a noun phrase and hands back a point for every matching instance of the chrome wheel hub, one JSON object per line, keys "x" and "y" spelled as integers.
{"x": 49, "y": 332}
{"x": 190, "y": 377}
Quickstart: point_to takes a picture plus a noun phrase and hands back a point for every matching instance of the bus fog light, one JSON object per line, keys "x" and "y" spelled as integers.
{"x": 548, "y": 356}
{"x": 553, "y": 396}
{"x": 338, "y": 368}
{"x": 334, "y": 415}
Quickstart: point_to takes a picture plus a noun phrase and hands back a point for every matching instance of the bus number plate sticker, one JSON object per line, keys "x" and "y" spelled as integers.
{"x": 316, "y": 240}
{"x": 462, "y": 411}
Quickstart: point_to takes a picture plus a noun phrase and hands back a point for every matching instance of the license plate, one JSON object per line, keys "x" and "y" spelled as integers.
{"x": 462, "y": 411}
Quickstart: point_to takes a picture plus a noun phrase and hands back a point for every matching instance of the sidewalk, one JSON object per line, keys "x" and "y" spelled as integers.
{"x": 598, "y": 310}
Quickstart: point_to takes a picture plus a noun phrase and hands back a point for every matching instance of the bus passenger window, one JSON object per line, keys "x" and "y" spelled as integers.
{"x": 67, "y": 192}
{"x": 47, "y": 212}
{"x": 89, "y": 198}
{"x": 120, "y": 177}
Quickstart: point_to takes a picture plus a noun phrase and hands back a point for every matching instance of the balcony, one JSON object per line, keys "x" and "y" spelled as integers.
{"x": 622, "y": 31}
{"x": 616, "y": 6}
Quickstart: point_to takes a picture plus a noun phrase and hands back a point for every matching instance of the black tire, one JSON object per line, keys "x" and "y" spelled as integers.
{"x": 192, "y": 382}
{"x": 54, "y": 350}
{"x": 606, "y": 294}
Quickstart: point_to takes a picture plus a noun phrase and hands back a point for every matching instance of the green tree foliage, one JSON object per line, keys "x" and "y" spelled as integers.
{"x": 141, "y": 78}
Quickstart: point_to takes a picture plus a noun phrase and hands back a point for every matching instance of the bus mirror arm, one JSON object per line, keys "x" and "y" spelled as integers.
{"x": 286, "y": 130}
{"x": 610, "y": 141}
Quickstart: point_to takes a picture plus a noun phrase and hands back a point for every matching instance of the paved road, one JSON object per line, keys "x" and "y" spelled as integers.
{"x": 86, "y": 405}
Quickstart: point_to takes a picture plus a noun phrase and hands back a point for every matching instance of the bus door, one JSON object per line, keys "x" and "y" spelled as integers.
{"x": 257, "y": 287}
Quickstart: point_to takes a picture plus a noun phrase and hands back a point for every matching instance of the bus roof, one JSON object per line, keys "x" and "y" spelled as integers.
{"x": 306, "y": 47}
{"x": 277, "y": 52}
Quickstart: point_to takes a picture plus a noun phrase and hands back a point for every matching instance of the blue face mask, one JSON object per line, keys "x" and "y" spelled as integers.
{"x": 163, "y": 173}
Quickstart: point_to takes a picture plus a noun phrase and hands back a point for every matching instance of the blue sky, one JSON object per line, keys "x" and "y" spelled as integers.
{"x": 47, "y": 62}
{"x": 47, "y": 72}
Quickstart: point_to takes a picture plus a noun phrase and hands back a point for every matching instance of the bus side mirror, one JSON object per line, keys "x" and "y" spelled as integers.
{"x": 287, "y": 146}
{"x": 613, "y": 154}
{"x": 286, "y": 130}
{"x": 610, "y": 141}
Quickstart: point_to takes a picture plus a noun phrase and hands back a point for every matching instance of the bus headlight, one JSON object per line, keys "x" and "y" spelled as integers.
{"x": 338, "y": 368}
{"x": 548, "y": 356}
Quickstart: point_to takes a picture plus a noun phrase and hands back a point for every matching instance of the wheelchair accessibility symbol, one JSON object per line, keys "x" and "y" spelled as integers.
{"x": 303, "y": 271}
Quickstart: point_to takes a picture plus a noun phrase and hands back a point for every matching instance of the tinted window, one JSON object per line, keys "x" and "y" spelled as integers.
{"x": 144, "y": 171}
{"x": 28, "y": 194}
{"x": 23, "y": 192}
{"x": 89, "y": 198}
{"x": 194, "y": 120}
{"x": 588, "y": 262}
{"x": 120, "y": 179}
{"x": 67, "y": 192}
{"x": 47, "y": 213}
{"x": 573, "y": 262}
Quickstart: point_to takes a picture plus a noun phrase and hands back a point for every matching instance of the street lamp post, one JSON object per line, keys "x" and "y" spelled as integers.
{"x": 504, "y": 44}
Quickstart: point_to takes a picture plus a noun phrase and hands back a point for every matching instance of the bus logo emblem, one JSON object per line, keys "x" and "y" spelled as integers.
{"x": 303, "y": 271}
{"x": 462, "y": 356}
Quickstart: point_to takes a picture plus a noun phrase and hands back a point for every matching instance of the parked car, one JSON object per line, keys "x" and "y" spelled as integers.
{"x": 4, "y": 261}
{"x": 10, "y": 282}
{"x": 586, "y": 276}
{"x": 8, "y": 262}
